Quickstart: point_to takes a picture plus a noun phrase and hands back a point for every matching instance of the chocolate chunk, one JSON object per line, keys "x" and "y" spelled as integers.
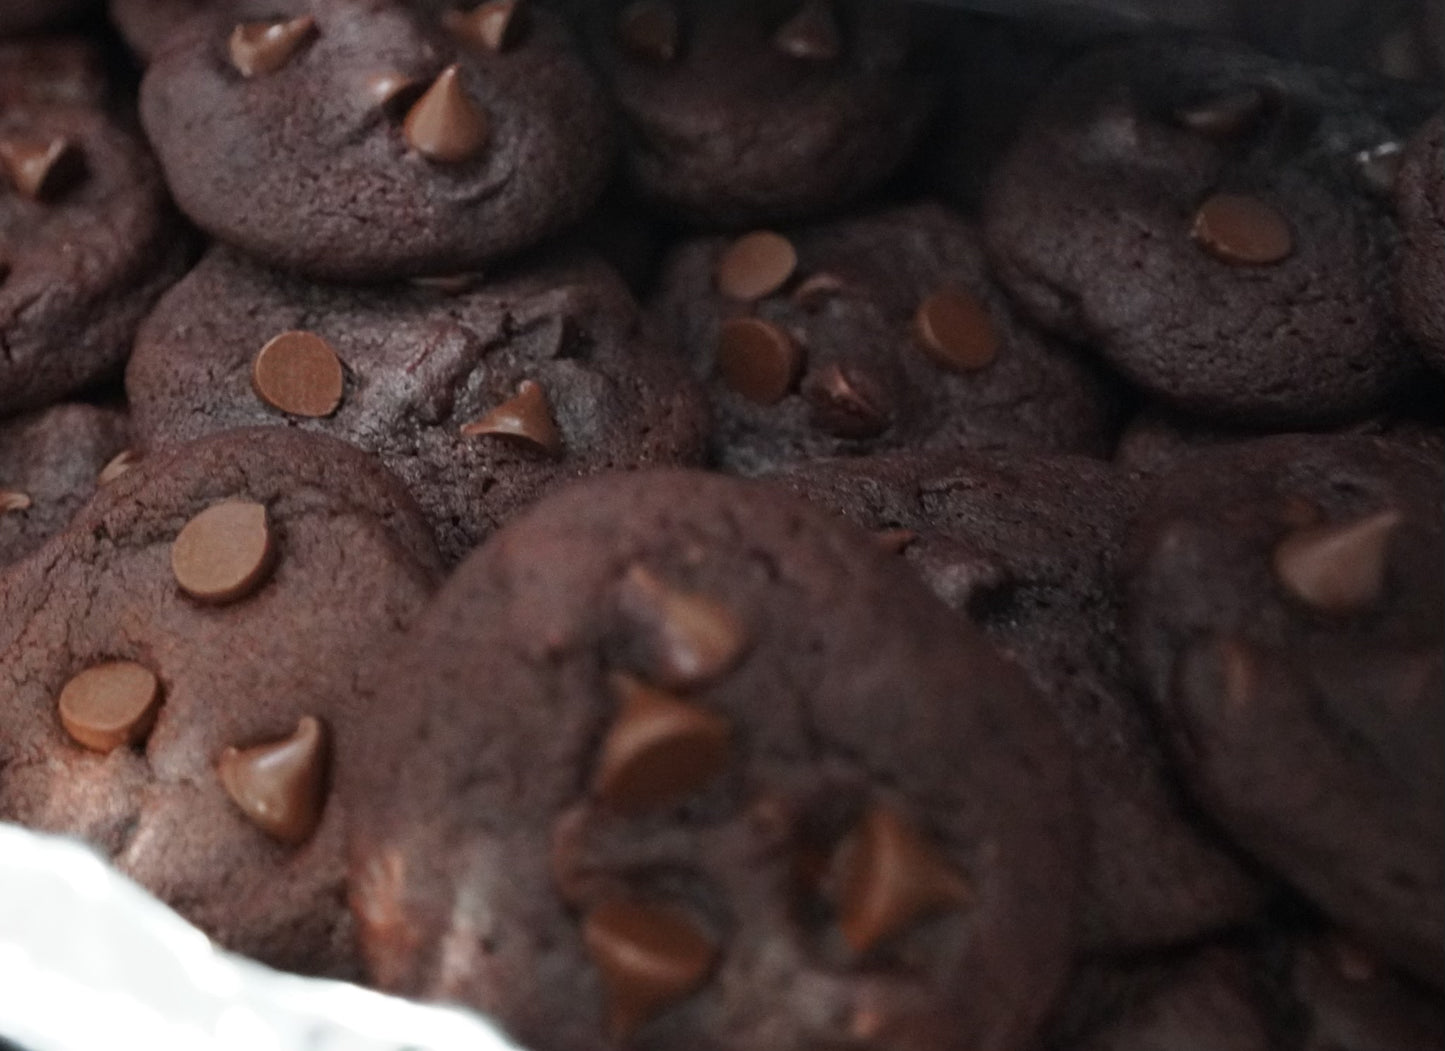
{"x": 40, "y": 167}
{"x": 687, "y": 640}
{"x": 758, "y": 359}
{"x": 298, "y": 373}
{"x": 118, "y": 465}
{"x": 225, "y": 553}
{"x": 955, "y": 330}
{"x": 260, "y": 48}
{"x": 280, "y": 785}
{"x": 659, "y": 750}
{"x": 445, "y": 125}
{"x": 1337, "y": 568}
{"x": 648, "y": 30}
{"x": 649, "y": 956}
{"x": 891, "y": 878}
{"x": 526, "y": 417}
{"x": 840, "y": 407}
{"x": 1243, "y": 231}
{"x": 11, "y": 500}
{"x": 756, "y": 265}
{"x": 1224, "y": 116}
{"x": 811, "y": 35}
{"x": 110, "y": 705}
{"x": 493, "y": 26}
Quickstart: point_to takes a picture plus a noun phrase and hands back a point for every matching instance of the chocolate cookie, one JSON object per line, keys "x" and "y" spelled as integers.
{"x": 869, "y": 334}
{"x": 479, "y": 399}
{"x": 1420, "y": 201}
{"x": 360, "y": 140}
{"x": 686, "y": 763}
{"x": 1216, "y": 224}
{"x": 1028, "y": 546}
{"x": 739, "y": 112}
{"x": 51, "y": 462}
{"x": 67, "y": 70}
{"x": 87, "y": 243}
{"x": 1286, "y": 615}
{"x": 178, "y": 667}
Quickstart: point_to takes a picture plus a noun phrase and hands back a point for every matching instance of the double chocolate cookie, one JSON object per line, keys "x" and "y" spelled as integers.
{"x": 1286, "y": 615}
{"x": 1420, "y": 201}
{"x": 1217, "y": 225}
{"x": 739, "y": 112}
{"x": 479, "y": 398}
{"x": 364, "y": 140}
{"x": 686, "y": 763}
{"x": 1028, "y": 546}
{"x": 179, "y": 667}
{"x": 51, "y": 462}
{"x": 874, "y": 333}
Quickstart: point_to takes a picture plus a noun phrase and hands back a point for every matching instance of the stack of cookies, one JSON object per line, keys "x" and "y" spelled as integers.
{"x": 765, "y": 525}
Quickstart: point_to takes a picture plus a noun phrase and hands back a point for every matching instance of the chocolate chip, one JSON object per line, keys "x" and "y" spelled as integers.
{"x": 445, "y": 125}
{"x": 758, "y": 360}
{"x": 41, "y": 168}
{"x": 225, "y": 553}
{"x": 1243, "y": 231}
{"x": 810, "y": 35}
{"x": 526, "y": 418}
{"x": 895, "y": 541}
{"x": 659, "y": 750}
{"x": 493, "y": 26}
{"x": 298, "y": 373}
{"x": 260, "y": 48}
{"x": 648, "y": 30}
{"x": 118, "y": 465}
{"x": 1337, "y": 568}
{"x": 1224, "y": 116}
{"x": 394, "y": 93}
{"x": 955, "y": 330}
{"x": 817, "y": 289}
{"x": 110, "y": 705}
{"x": 451, "y": 284}
{"x": 891, "y": 877}
{"x": 841, "y": 406}
{"x": 281, "y": 785}
{"x": 649, "y": 956}
{"x": 1380, "y": 166}
{"x": 756, "y": 265}
{"x": 13, "y": 500}
{"x": 687, "y": 639}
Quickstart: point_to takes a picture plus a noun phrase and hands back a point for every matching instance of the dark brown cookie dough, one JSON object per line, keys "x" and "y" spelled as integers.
{"x": 737, "y": 112}
{"x": 869, "y": 334}
{"x": 1217, "y": 225}
{"x": 65, "y": 70}
{"x": 51, "y": 463}
{"x": 366, "y": 140}
{"x": 1028, "y": 546}
{"x": 1285, "y": 612}
{"x": 214, "y": 597}
{"x": 479, "y": 400}
{"x": 686, "y": 763}
{"x": 1344, "y": 999}
{"x": 1420, "y": 202}
{"x": 87, "y": 243}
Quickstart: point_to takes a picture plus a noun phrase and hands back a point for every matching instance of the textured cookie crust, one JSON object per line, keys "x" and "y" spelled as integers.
{"x": 421, "y": 364}
{"x": 1093, "y": 218}
{"x": 1420, "y": 201}
{"x": 1285, "y": 611}
{"x": 1034, "y": 394}
{"x": 307, "y": 168}
{"x": 485, "y": 845}
{"x": 353, "y": 562}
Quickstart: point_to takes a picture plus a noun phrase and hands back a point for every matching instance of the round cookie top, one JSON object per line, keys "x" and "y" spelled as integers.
{"x": 1028, "y": 546}
{"x": 1285, "y": 615}
{"x": 478, "y": 398}
{"x": 869, "y": 334}
{"x": 52, "y": 462}
{"x": 732, "y": 779}
{"x": 87, "y": 242}
{"x": 1420, "y": 202}
{"x": 739, "y": 112}
{"x": 356, "y": 140}
{"x": 1216, "y": 224}
{"x": 188, "y": 733}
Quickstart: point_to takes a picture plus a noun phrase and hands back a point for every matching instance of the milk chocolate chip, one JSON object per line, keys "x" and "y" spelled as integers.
{"x": 811, "y": 35}
{"x": 299, "y": 373}
{"x": 445, "y": 125}
{"x": 526, "y": 417}
{"x": 1242, "y": 231}
{"x": 493, "y": 26}
{"x": 1224, "y": 116}
{"x": 110, "y": 705}
{"x": 225, "y": 553}
{"x": 13, "y": 500}
{"x": 758, "y": 360}
{"x": 841, "y": 406}
{"x": 40, "y": 168}
{"x": 259, "y": 48}
{"x": 118, "y": 465}
{"x": 688, "y": 640}
{"x": 756, "y": 265}
{"x": 1337, "y": 568}
{"x": 281, "y": 785}
{"x": 649, "y": 956}
{"x": 955, "y": 330}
